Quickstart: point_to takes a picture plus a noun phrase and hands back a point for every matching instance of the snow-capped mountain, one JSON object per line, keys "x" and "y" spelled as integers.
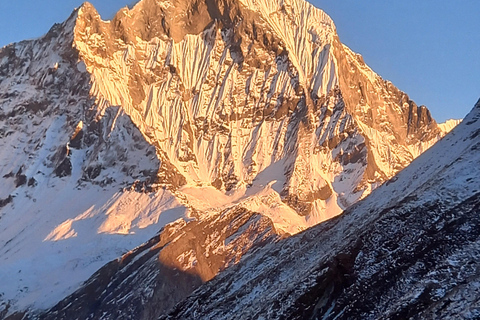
{"x": 250, "y": 88}
{"x": 194, "y": 110}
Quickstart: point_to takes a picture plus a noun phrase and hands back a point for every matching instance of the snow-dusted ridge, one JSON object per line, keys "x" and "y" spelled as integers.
{"x": 448, "y": 125}
{"x": 407, "y": 251}
{"x": 111, "y": 129}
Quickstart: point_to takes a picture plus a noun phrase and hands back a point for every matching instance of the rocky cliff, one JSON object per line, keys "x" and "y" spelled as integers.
{"x": 251, "y": 86}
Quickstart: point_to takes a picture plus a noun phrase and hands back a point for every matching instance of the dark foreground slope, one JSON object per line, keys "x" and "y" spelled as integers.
{"x": 410, "y": 250}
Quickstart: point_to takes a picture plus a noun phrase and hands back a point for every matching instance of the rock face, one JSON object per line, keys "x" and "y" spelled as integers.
{"x": 408, "y": 251}
{"x": 111, "y": 130}
{"x": 250, "y": 85}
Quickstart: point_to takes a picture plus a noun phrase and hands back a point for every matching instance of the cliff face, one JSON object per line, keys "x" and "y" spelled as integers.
{"x": 110, "y": 130}
{"x": 226, "y": 90}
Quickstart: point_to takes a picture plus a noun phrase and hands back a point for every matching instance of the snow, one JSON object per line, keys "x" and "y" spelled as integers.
{"x": 183, "y": 111}
{"x": 448, "y": 125}
{"x": 258, "y": 198}
{"x": 61, "y": 239}
{"x": 291, "y": 269}
{"x": 58, "y": 231}
{"x": 163, "y": 114}
{"x": 294, "y": 21}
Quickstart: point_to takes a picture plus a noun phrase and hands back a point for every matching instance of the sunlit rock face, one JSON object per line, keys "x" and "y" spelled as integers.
{"x": 110, "y": 130}
{"x": 237, "y": 94}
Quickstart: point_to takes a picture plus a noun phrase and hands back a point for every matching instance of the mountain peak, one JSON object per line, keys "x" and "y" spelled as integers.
{"x": 205, "y": 60}
{"x": 175, "y": 19}
{"x": 84, "y": 9}
{"x": 86, "y": 6}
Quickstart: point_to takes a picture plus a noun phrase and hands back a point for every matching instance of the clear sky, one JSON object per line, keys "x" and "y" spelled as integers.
{"x": 427, "y": 48}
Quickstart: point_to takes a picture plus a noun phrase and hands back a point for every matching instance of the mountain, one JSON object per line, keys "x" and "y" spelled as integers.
{"x": 408, "y": 251}
{"x": 253, "y": 87}
{"x": 239, "y": 122}
{"x": 151, "y": 279}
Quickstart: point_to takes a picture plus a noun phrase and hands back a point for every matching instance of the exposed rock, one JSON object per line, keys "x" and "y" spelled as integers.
{"x": 20, "y": 179}
{"x": 64, "y": 168}
{"x": 32, "y": 182}
{"x": 4, "y": 202}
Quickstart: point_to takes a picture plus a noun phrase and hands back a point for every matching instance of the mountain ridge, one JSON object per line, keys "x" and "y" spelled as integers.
{"x": 429, "y": 195}
{"x": 406, "y": 255}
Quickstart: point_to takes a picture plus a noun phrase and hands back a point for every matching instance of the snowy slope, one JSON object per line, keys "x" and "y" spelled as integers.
{"x": 64, "y": 239}
{"x": 148, "y": 281}
{"x": 172, "y": 110}
{"x": 409, "y": 250}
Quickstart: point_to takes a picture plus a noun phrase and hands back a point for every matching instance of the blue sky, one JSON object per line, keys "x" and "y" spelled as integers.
{"x": 429, "y": 48}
